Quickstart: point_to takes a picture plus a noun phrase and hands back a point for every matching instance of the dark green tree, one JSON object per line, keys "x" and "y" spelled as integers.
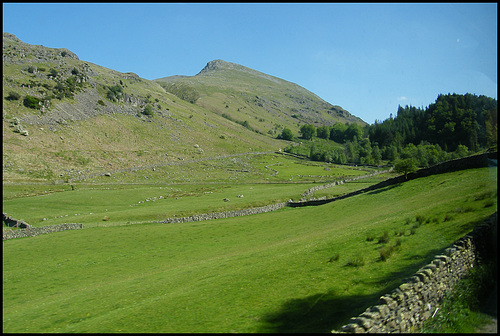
{"x": 286, "y": 134}
{"x": 308, "y": 131}
{"x": 405, "y": 166}
{"x": 337, "y": 132}
{"x": 323, "y": 132}
{"x": 376, "y": 155}
{"x": 353, "y": 130}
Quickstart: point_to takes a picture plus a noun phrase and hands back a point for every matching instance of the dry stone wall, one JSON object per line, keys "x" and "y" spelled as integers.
{"x": 312, "y": 190}
{"x": 418, "y": 297}
{"x": 475, "y": 161}
{"x": 35, "y": 231}
{"x": 225, "y": 214}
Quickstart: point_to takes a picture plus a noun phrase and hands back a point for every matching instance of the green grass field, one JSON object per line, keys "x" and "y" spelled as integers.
{"x": 158, "y": 197}
{"x": 284, "y": 271}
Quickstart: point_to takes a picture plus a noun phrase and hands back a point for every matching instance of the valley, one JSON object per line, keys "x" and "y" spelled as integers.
{"x": 274, "y": 272}
{"x": 124, "y": 156}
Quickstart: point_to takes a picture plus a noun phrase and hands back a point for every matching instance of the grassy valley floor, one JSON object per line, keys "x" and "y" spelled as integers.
{"x": 294, "y": 270}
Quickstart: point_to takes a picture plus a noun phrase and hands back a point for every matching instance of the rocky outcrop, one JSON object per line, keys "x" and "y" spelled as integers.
{"x": 11, "y": 222}
{"x": 17, "y": 52}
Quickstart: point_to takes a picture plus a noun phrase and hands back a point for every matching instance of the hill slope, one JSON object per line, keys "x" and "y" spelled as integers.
{"x": 267, "y": 102}
{"x": 64, "y": 117}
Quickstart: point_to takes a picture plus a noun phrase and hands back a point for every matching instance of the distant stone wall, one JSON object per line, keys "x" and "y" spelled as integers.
{"x": 35, "y": 231}
{"x": 475, "y": 161}
{"x": 225, "y": 214}
{"x": 418, "y": 297}
{"x": 312, "y": 190}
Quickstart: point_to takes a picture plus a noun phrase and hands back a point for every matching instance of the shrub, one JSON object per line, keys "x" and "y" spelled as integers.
{"x": 148, "y": 110}
{"x": 53, "y": 73}
{"x": 100, "y": 102}
{"x": 334, "y": 258}
{"x": 420, "y": 219}
{"x": 489, "y": 203}
{"x": 114, "y": 92}
{"x": 384, "y": 238}
{"x": 13, "y": 96}
{"x": 356, "y": 262}
{"x": 399, "y": 233}
{"x": 31, "y": 102}
{"x": 385, "y": 252}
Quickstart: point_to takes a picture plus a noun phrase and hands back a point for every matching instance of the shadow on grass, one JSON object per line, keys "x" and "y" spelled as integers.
{"x": 382, "y": 189}
{"x": 324, "y": 312}
{"x": 318, "y": 313}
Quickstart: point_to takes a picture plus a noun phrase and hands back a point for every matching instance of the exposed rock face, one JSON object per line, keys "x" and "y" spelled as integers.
{"x": 11, "y": 222}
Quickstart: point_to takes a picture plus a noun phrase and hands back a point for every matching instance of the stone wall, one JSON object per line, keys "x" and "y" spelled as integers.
{"x": 226, "y": 214}
{"x": 475, "y": 161}
{"x": 418, "y": 297}
{"x": 35, "y": 231}
{"x": 312, "y": 190}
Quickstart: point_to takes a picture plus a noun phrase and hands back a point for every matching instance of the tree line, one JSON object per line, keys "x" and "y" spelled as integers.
{"x": 452, "y": 127}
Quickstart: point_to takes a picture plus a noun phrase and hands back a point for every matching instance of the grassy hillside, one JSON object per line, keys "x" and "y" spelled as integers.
{"x": 64, "y": 117}
{"x": 295, "y": 270}
{"x": 267, "y": 103}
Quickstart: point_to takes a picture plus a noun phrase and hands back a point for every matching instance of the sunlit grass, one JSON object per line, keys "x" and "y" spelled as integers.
{"x": 271, "y": 272}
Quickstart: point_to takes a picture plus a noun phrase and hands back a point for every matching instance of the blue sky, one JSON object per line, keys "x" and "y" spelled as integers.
{"x": 367, "y": 58}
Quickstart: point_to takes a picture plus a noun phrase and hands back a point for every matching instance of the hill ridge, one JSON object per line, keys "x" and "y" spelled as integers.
{"x": 65, "y": 117}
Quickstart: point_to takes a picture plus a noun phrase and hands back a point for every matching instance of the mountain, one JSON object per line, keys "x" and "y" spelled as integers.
{"x": 241, "y": 93}
{"x": 64, "y": 117}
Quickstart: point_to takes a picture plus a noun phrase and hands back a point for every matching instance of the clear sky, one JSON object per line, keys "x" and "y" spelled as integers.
{"x": 367, "y": 58}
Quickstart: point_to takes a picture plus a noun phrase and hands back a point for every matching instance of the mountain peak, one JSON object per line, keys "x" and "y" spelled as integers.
{"x": 214, "y": 66}
{"x": 217, "y": 65}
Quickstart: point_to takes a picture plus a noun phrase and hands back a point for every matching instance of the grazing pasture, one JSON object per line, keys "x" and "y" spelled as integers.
{"x": 120, "y": 199}
{"x": 303, "y": 269}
